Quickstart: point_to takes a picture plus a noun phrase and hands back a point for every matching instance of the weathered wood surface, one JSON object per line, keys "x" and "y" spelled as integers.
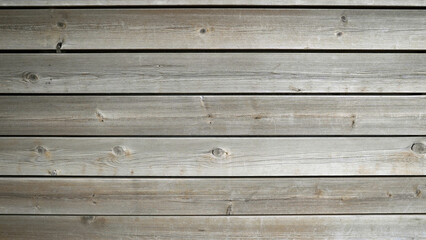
{"x": 212, "y": 196}
{"x": 402, "y": 227}
{"x": 212, "y": 115}
{"x": 212, "y": 156}
{"x": 212, "y": 29}
{"x": 213, "y": 73}
{"x": 40, "y": 3}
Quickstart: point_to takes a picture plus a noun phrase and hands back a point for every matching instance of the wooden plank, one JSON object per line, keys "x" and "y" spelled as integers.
{"x": 212, "y": 196}
{"x": 212, "y": 115}
{"x": 190, "y": 227}
{"x": 41, "y": 3}
{"x": 212, "y": 29}
{"x": 212, "y": 156}
{"x": 213, "y": 73}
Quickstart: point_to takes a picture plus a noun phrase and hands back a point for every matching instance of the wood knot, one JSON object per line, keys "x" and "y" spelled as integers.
{"x": 344, "y": 19}
{"x": 229, "y": 208}
{"x": 88, "y": 219}
{"x": 203, "y": 30}
{"x": 219, "y": 153}
{"x": 419, "y": 148}
{"x": 61, "y": 25}
{"x": 41, "y": 150}
{"x": 59, "y": 47}
{"x": 119, "y": 151}
{"x": 100, "y": 116}
{"x": 29, "y": 77}
{"x": 54, "y": 172}
{"x": 353, "y": 121}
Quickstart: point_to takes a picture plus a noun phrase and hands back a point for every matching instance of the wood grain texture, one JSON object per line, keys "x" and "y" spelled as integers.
{"x": 212, "y": 196}
{"x": 212, "y": 156}
{"x": 212, "y": 115}
{"x": 40, "y": 3}
{"x": 404, "y": 227}
{"x": 213, "y": 73}
{"x": 212, "y": 29}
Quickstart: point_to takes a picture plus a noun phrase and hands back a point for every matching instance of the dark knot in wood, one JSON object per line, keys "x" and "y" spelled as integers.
{"x": 40, "y": 150}
{"x": 119, "y": 150}
{"x": 219, "y": 152}
{"x": 419, "y": 148}
{"x": 29, "y": 77}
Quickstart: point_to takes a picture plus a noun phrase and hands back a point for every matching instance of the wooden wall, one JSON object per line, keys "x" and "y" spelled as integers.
{"x": 212, "y": 119}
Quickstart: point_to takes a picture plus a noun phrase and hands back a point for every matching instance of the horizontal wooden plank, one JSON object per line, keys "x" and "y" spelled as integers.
{"x": 41, "y": 3}
{"x": 212, "y": 73}
{"x": 212, "y": 156}
{"x": 212, "y": 115}
{"x": 212, "y": 29}
{"x": 212, "y": 196}
{"x": 191, "y": 227}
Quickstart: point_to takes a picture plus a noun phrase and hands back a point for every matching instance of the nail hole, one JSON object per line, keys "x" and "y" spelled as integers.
{"x": 203, "y": 30}
{"x": 339, "y": 34}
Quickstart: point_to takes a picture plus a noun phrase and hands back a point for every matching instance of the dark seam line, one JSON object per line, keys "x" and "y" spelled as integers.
{"x": 208, "y": 136}
{"x": 257, "y": 50}
{"x": 210, "y": 177}
{"x": 215, "y": 215}
{"x": 225, "y": 94}
{"x": 212, "y": 6}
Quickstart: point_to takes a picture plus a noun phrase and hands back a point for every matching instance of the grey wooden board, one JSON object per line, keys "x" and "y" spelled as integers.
{"x": 26, "y": 3}
{"x": 213, "y": 29}
{"x": 402, "y": 227}
{"x": 213, "y": 73}
{"x": 212, "y": 156}
{"x": 212, "y": 115}
{"x": 212, "y": 196}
